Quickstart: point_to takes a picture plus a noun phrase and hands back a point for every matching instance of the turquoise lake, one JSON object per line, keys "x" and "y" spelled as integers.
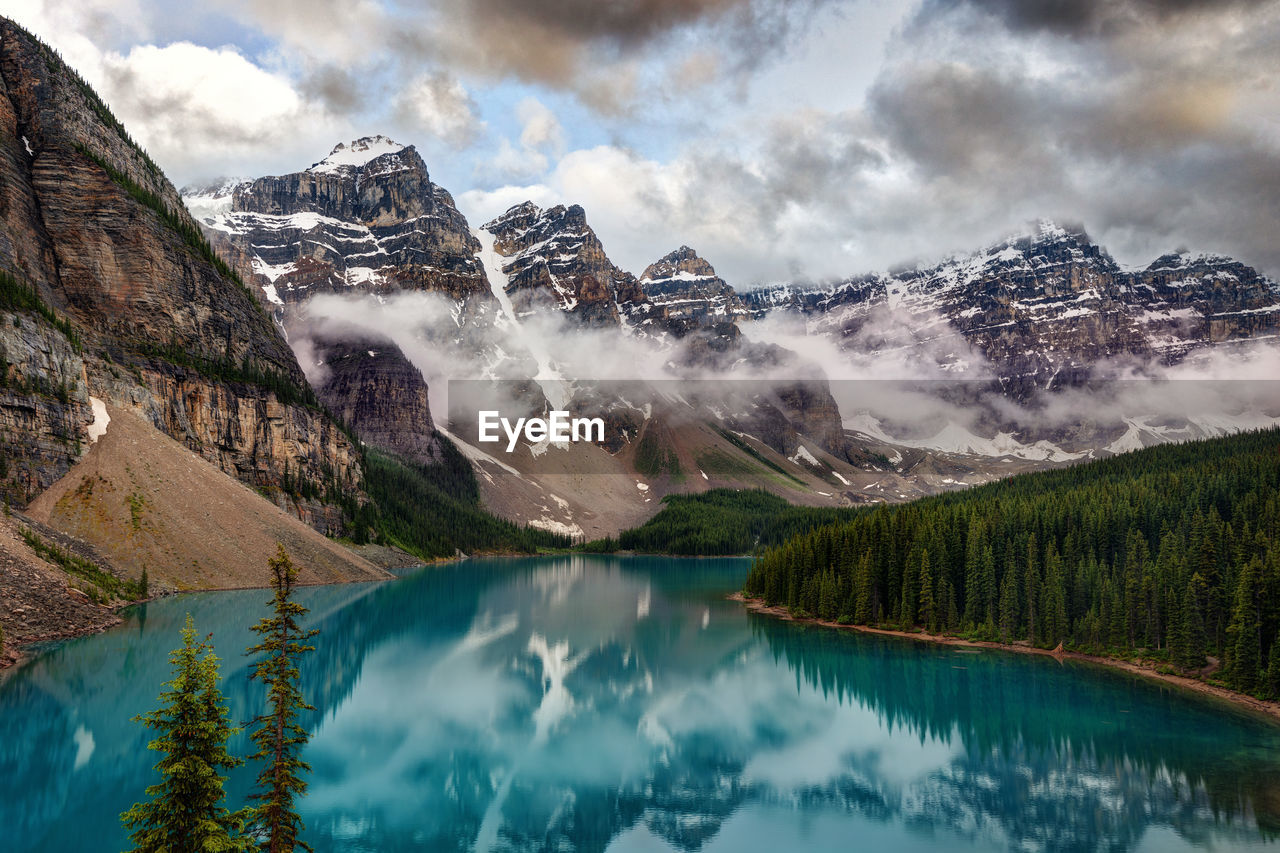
{"x": 623, "y": 704}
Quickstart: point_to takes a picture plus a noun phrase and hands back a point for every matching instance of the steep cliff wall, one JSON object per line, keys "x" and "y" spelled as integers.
{"x": 164, "y": 327}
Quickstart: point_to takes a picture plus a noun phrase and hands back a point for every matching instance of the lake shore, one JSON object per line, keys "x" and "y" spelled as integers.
{"x": 1270, "y": 709}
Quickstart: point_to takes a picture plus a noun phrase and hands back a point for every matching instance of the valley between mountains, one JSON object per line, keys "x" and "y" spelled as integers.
{"x": 190, "y": 376}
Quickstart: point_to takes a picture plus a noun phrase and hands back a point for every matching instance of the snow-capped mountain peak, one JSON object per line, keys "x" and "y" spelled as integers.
{"x": 357, "y": 153}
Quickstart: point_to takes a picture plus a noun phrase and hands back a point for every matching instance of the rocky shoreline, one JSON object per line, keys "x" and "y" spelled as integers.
{"x": 1195, "y": 685}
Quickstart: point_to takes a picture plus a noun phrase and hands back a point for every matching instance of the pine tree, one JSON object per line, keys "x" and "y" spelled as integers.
{"x": 186, "y": 813}
{"x": 973, "y": 604}
{"x": 948, "y": 607}
{"x": 908, "y": 603}
{"x": 1010, "y": 618}
{"x": 1031, "y": 596}
{"x": 864, "y": 591}
{"x": 1243, "y": 632}
{"x": 989, "y": 590}
{"x": 1055, "y": 599}
{"x": 928, "y": 603}
{"x": 1271, "y": 680}
{"x": 1193, "y": 624}
{"x": 278, "y": 736}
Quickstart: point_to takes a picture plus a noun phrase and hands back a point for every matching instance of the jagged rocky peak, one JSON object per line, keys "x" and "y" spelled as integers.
{"x": 685, "y": 285}
{"x": 554, "y": 262}
{"x": 378, "y": 184}
{"x": 1211, "y": 283}
{"x": 366, "y": 217}
{"x": 682, "y": 263}
{"x": 518, "y": 219}
{"x": 1041, "y": 308}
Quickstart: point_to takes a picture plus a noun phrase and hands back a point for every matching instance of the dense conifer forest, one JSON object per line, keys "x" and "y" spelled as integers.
{"x": 434, "y": 510}
{"x": 1169, "y": 552}
{"x": 720, "y": 522}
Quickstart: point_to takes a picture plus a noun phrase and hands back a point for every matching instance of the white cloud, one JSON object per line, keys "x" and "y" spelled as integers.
{"x": 516, "y": 163}
{"x": 437, "y": 104}
{"x": 540, "y": 129}
{"x": 542, "y": 138}
{"x": 204, "y": 111}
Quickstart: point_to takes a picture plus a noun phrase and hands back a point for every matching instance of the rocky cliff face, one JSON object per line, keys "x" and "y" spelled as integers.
{"x": 44, "y": 404}
{"x": 371, "y": 387}
{"x": 92, "y": 226}
{"x": 555, "y": 262}
{"x": 1041, "y": 309}
{"x": 686, "y": 286}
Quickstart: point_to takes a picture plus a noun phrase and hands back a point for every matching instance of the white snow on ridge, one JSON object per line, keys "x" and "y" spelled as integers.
{"x": 212, "y": 202}
{"x": 269, "y": 290}
{"x": 572, "y": 530}
{"x": 1132, "y": 438}
{"x": 1140, "y": 433}
{"x": 954, "y": 438}
{"x": 271, "y": 272}
{"x": 548, "y": 378}
{"x": 356, "y": 154}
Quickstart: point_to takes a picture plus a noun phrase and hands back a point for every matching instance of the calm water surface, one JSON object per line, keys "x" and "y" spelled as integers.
{"x": 580, "y": 703}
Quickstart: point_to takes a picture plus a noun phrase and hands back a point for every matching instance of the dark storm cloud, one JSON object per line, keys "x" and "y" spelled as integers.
{"x": 1158, "y": 136}
{"x": 1090, "y": 17}
{"x": 625, "y": 22}
{"x": 341, "y": 90}
{"x": 586, "y": 45}
{"x": 958, "y": 120}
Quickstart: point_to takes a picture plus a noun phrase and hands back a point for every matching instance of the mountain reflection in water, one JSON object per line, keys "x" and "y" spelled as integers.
{"x": 598, "y": 703}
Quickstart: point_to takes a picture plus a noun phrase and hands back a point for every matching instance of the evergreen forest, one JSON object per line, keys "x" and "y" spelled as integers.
{"x": 1169, "y": 553}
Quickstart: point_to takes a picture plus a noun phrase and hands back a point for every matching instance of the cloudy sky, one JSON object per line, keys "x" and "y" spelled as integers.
{"x": 784, "y": 139}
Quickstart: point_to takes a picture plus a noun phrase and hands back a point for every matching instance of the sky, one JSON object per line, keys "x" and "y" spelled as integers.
{"x": 785, "y": 140}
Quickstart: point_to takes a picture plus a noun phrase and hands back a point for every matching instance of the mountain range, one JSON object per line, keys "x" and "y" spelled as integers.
{"x": 362, "y": 252}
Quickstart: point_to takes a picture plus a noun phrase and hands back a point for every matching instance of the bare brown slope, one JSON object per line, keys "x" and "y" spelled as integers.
{"x": 37, "y": 601}
{"x": 145, "y": 501}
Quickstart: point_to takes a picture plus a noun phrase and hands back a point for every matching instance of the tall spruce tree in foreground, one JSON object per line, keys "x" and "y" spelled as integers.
{"x": 278, "y": 735}
{"x": 186, "y": 813}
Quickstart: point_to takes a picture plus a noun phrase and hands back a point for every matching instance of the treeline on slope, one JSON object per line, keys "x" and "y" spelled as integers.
{"x": 434, "y": 510}
{"x": 720, "y": 522}
{"x": 19, "y": 296}
{"x": 1170, "y": 552}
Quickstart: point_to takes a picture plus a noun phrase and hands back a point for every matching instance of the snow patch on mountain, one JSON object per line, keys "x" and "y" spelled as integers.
{"x": 803, "y": 455}
{"x": 212, "y": 200}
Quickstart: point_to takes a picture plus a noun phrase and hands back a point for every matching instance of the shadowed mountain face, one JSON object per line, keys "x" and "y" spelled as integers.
{"x": 371, "y": 387}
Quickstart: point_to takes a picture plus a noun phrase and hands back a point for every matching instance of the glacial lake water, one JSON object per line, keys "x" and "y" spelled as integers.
{"x": 623, "y": 704}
